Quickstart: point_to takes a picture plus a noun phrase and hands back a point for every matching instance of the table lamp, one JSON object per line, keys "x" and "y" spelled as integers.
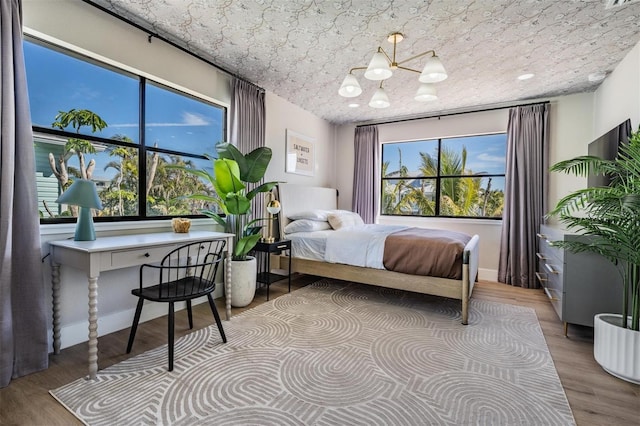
{"x": 82, "y": 193}
{"x": 273, "y": 208}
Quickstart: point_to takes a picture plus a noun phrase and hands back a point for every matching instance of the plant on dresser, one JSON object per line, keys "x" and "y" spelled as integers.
{"x": 610, "y": 215}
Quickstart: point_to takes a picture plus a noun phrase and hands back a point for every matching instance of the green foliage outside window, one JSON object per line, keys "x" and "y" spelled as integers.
{"x": 439, "y": 184}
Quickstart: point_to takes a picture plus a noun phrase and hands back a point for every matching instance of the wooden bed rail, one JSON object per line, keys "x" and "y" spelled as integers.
{"x": 455, "y": 289}
{"x": 469, "y": 274}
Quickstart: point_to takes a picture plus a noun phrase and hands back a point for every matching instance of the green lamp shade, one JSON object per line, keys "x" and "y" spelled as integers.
{"x": 82, "y": 193}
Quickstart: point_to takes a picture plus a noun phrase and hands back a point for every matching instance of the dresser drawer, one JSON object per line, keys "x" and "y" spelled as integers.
{"x": 547, "y": 250}
{"x": 125, "y": 258}
{"x": 553, "y": 287}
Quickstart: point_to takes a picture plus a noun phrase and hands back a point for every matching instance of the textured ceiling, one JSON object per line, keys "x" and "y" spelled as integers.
{"x": 302, "y": 49}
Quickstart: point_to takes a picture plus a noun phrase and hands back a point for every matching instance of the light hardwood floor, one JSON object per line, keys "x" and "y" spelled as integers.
{"x": 596, "y": 398}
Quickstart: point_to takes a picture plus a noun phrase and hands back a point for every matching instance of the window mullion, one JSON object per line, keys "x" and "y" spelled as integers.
{"x": 142, "y": 156}
{"x": 438, "y": 177}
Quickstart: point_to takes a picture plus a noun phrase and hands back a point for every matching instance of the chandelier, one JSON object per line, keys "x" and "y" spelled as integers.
{"x": 382, "y": 66}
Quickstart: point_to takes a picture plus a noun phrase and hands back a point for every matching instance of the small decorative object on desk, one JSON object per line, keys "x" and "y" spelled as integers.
{"x": 180, "y": 225}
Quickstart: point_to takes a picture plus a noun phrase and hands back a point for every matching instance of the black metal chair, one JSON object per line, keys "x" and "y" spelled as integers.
{"x": 184, "y": 274}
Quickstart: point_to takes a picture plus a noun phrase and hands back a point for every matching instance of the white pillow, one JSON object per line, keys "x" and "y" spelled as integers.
{"x": 306, "y": 225}
{"x": 344, "y": 219}
{"x": 319, "y": 215}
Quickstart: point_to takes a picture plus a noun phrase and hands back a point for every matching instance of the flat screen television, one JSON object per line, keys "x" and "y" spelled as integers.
{"x": 606, "y": 147}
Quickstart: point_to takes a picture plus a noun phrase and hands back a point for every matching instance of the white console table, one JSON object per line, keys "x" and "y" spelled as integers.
{"x": 108, "y": 253}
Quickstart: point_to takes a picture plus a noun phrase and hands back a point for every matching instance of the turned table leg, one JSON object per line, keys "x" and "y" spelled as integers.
{"x": 93, "y": 327}
{"x": 55, "y": 295}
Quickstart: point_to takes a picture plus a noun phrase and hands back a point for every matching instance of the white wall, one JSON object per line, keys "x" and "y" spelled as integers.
{"x": 449, "y": 126}
{"x": 80, "y": 27}
{"x": 571, "y": 128}
{"x": 575, "y": 121}
{"x": 618, "y": 97}
{"x": 454, "y": 125}
{"x": 344, "y": 159}
{"x": 283, "y": 115}
{"x": 85, "y": 29}
{"x": 116, "y": 305}
{"x": 579, "y": 119}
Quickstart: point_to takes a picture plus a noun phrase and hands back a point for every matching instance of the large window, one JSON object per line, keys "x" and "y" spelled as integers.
{"x": 94, "y": 121}
{"x": 454, "y": 177}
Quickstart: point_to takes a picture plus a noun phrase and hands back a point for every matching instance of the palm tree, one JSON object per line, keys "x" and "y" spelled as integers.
{"x": 610, "y": 215}
{"x": 77, "y": 119}
{"x": 171, "y": 182}
{"x": 124, "y": 185}
{"x": 461, "y": 195}
{"x": 61, "y": 170}
{"x": 458, "y": 195}
{"x": 492, "y": 201}
{"x": 395, "y": 199}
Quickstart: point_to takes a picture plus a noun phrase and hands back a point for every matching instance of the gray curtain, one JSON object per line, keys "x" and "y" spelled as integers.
{"x": 525, "y": 201}
{"x": 366, "y": 182}
{"x": 248, "y": 118}
{"x": 23, "y": 320}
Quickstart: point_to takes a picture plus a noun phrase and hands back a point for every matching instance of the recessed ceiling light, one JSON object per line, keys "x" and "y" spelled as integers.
{"x": 525, "y": 76}
{"x": 597, "y": 76}
{"x": 354, "y": 105}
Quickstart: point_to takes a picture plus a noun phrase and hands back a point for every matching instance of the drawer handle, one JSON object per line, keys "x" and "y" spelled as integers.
{"x": 550, "y": 269}
{"x": 541, "y": 256}
{"x": 540, "y": 278}
{"x": 548, "y": 293}
{"x": 147, "y": 255}
{"x": 282, "y": 246}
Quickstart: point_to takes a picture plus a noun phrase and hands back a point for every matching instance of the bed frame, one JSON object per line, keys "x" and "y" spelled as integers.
{"x": 298, "y": 198}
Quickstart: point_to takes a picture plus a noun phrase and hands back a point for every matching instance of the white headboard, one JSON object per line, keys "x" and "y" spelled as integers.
{"x": 300, "y": 198}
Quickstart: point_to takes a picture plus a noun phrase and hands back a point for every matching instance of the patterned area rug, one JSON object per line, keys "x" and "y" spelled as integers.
{"x": 336, "y": 353}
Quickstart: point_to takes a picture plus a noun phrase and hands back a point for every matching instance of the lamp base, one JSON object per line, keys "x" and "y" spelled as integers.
{"x": 84, "y": 228}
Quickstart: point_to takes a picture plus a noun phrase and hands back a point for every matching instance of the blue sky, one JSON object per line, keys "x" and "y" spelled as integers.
{"x": 484, "y": 153}
{"x": 58, "y": 82}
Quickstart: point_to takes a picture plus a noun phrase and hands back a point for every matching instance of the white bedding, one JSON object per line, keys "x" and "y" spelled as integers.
{"x": 359, "y": 246}
{"x": 309, "y": 245}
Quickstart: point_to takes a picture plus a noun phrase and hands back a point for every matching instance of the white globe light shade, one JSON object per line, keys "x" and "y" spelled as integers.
{"x": 273, "y": 207}
{"x": 378, "y": 68}
{"x": 426, "y": 93}
{"x": 379, "y": 99}
{"x": 433, "y": 71}
{"x": 350, "y": 87}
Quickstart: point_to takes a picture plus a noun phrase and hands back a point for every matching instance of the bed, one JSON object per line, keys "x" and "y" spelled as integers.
{"x": 296, "y": 199}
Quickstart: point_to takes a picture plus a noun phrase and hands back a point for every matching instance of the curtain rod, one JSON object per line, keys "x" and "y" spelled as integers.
{"x": 169, "y": 42}
{"x": 400, "y": 120}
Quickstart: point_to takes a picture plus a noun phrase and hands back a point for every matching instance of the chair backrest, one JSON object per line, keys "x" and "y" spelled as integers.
{"x": 189, "y": 269}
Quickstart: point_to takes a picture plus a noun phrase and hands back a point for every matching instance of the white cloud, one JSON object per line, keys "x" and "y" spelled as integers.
{"x": 188, "y": 119}
{"x": 191, "y": 119}
{"x": 491, "y": 158}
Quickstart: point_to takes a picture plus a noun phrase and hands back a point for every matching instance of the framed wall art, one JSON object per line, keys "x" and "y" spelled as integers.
{"x": 300, "y": 154}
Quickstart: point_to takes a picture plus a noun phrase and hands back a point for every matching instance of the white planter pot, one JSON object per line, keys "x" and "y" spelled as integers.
{"x": 615, "y": 348}
{"x": 243, "y": 281}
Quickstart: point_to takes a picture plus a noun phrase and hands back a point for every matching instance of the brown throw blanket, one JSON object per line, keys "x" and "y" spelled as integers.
{"x": 420, "y": 251}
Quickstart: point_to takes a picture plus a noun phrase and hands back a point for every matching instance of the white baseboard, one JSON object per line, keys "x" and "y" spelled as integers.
{"x": 487, "y": 274}
{"x": 78, "y": 332}
{"x": 72, "y": 334}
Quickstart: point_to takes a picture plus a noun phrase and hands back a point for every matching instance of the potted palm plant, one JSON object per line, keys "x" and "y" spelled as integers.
{"x": 610, "y": 216}
{"x": 232, "y": 171}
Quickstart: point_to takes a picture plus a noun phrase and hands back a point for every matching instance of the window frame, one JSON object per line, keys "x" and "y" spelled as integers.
{"x": 141, "y": 146}
{"x": 438, "y": 177}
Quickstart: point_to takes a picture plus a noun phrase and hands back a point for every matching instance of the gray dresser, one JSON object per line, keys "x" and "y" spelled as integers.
{"x": 579, "y": 285}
